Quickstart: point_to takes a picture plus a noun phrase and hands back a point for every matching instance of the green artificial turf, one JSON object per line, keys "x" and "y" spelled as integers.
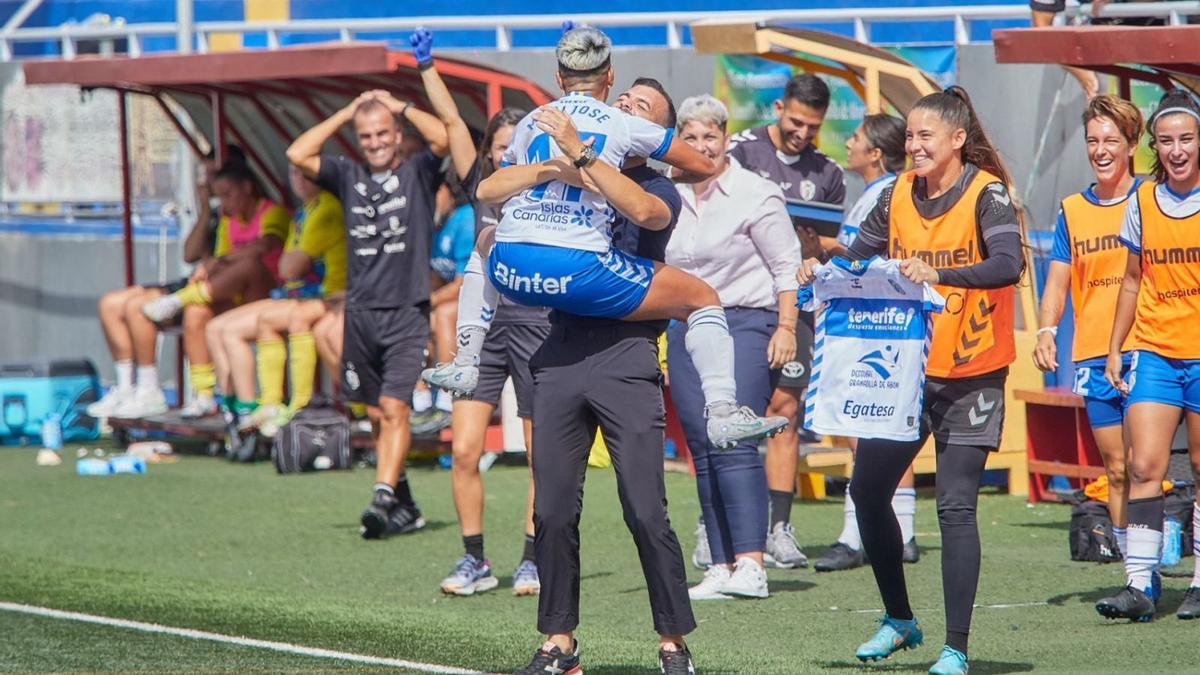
{"x": 238, "y": 550}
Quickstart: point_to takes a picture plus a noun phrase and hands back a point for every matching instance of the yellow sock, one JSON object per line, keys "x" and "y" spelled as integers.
{"x": 272, "y": 355}
{"x": 204, "y": 380}
{"x": 193, "y": 294}
{"x": 359, "y": 410}
{"x": 302, "y": 368}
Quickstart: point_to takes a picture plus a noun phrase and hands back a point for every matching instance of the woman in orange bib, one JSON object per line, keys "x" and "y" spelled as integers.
{"x": 952, "y": 222}
{"x": 1088, "y": 259}
{"x": 1157, "y": 310}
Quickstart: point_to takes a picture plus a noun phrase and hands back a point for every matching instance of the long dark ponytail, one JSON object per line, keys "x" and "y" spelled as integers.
{"x": 1182, "y": 103}
{"x": 886, "y": 134}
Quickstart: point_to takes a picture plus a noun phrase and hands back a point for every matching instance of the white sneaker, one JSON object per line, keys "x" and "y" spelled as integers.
{"x": 142, "y": 403}
{"x": 271, "y": 427}
{"x": 162, "y": 308}
{"x": 261, "y": 415}
{"x": 782, "y": 550}
{"x": 458, "y": 380}
{"x": 748, "y": 580}
{"x": 729, "y": 425}
{"x": 715, "y": 578}
{"x": 109, "y": 403}
{"x": 200, "y": 406}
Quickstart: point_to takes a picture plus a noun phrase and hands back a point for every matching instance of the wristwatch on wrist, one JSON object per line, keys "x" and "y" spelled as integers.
{"x": 586, "y": 156}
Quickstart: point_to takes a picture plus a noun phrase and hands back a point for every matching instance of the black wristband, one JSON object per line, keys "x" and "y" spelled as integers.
{"x": 424, "y": 65}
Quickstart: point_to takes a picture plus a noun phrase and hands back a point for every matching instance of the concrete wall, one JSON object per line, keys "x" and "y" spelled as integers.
{"x": 1019, "y": 112}
{"x": 49, "y": 287}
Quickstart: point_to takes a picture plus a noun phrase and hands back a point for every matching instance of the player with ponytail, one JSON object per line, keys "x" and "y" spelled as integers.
{"x": 952, "y": 223}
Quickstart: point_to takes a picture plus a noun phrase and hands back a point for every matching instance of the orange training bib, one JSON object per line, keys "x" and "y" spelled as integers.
{"x": 1169, "y": 298}
{"x": 974, "y": 334}
{"x": 1097, "y": 268}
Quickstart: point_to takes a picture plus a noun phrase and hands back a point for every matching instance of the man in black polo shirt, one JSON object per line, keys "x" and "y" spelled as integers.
{"x": 784, "y": 154}
{"x": 388, "y": 205}
{"x": 603, "y": 373}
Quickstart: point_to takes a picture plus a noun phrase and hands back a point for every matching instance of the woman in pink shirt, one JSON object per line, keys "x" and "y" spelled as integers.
{"x": 735, "y": 234}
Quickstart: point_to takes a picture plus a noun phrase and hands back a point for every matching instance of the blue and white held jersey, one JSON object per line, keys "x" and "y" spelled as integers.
{"x": 557, "y": 214}
{"x": 862, "y": 208}
{"x": 873, "y": 331}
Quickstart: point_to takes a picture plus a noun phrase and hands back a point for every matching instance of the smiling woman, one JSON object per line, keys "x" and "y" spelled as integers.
{"x": 733, "y": 233}
{"x": 1088, "y": 260}
{"x": 1158, "y": 303}
{"x": 952, "y": 220}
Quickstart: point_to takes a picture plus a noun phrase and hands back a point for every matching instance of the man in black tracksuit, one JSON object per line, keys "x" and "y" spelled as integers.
{"x": 594, "y": 373}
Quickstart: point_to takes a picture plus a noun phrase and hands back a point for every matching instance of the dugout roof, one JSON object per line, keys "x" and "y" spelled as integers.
{"x": 261, "y": 100}
{"x": 875, "y": 74}
{"x": 1168, "y": 56}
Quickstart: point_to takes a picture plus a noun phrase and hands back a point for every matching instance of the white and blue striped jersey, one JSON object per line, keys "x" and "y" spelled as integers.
{"x": 872, "y": 334}
{"x": 557, "y": 214}
{"x": 862, "y": 208}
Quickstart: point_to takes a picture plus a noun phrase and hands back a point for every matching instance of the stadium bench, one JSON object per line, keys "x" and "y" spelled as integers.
{"x": 1059, "y": 441}
{"x": 820, "y": 460}
{"x": 212, "y": 431}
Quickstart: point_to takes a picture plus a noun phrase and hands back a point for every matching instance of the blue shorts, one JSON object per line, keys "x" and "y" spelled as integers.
{"x": 1157, "y": 379}
{"x": 1105, "y": 405}
{"x": 610, "y": 285}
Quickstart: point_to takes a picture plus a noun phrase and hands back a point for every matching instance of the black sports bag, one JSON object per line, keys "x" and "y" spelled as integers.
{"x": 316, "y": 439}
{"x": 1092, "y": 538}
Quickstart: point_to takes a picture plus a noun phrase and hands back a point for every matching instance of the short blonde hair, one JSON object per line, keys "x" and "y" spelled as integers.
{"x": 1124, "y": 114}
{"x": 582, "y": 50}
{"x": 703, "y": 108}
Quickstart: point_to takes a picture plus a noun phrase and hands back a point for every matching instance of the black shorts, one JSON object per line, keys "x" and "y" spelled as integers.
{"x": 383, "y": 352}
{"x": 965, "y": 411}
{"x": 506, "y": 352}
{"x": 794, "y": 374}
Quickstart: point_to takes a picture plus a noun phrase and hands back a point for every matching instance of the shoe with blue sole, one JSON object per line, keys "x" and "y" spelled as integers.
{"x": 893, "y": 635}
{"x": 951, "y": 662}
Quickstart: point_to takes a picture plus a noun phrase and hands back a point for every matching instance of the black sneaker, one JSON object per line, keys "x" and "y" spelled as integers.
{"x": 375, "y": 517}
{"x": 911, "y": 553}
{"x": 553, "y": 662}
{"x": 1129, "y": 603}
{"x": 403, "y": 519}
{"x": 677, "y": 662}
{"x": 839, "y": 557}
{"x": 1190, "y": 607}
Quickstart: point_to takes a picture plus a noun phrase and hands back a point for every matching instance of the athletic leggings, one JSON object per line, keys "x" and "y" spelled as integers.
{"x": 878, "y": 467}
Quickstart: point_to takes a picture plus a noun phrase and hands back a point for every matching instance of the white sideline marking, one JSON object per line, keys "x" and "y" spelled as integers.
{"x": 233, "y": 640}
{"x": 1014, "y": 605}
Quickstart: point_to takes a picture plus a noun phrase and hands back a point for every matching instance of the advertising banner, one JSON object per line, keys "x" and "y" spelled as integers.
{"x": 749, "y": 86}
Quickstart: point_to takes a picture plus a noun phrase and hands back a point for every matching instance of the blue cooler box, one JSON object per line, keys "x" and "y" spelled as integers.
{"x": 31, "y": 390}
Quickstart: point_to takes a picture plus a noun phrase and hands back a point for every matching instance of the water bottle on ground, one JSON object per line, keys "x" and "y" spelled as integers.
{"x": 1172, "y": 541}
{"x": 127, "y": 464}
{"x": 52, "y": 437}
{"x": 91, "y": 466}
